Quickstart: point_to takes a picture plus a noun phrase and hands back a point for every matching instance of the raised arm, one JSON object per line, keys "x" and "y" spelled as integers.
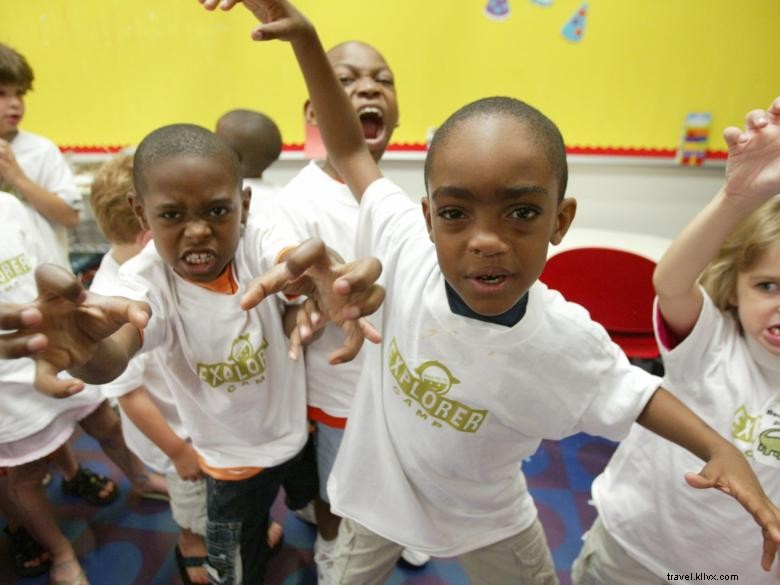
{"x": 726, "y": 468}
{"x": 752, "y": 177}
{"x": 336, "y": 118}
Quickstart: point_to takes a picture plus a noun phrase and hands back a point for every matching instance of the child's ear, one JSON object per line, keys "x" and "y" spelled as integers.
{"x": 308, "y": 114}
{"x": 426, "y": 209}
{"x": 138, "y": 209}
{"x": 246, "y": 199}
{"x": 567, "y": 209}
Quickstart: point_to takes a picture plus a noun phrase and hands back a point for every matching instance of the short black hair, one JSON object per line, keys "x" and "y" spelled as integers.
{"x": 177, "y": 140}
{"x": 543, "y": 131}
{"x": 254, "y": 136}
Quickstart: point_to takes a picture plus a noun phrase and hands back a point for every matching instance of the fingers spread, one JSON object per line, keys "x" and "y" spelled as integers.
{"x": 53, "y": 280}
{"x": 15, "y": 317}
{"x": 269, "y": 283}
{"x": 14, "y": 346}
{"x": 307, "y": 254}
{"x": 733, "y": 136}
{"x": 47, "y": 382}
{"x": 353, "y": 341}
{"x": 756, "y": 119}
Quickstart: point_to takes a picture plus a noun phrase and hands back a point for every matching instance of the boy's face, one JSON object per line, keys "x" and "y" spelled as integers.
{"x": 370, "y": 84}
{"x": 194, "y": 209}
{"x": 11, "y": 109}
{"x": 492, "y": 211}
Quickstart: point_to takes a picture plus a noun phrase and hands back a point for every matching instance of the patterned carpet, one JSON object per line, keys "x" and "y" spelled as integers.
{"x": 131, "y": 542}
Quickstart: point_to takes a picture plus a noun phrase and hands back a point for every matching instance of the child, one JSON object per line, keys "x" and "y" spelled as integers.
{"x": 150, "y": 421}
{"x": 318, "y": 204}
{"x": 480, "y": 360}
{"x": 240, "y": 398}
{"x": 31, "y": 166}
{"x": 34, "y": 426}
{"x": 256, "y": 140}
{"x": 720, "y": 342}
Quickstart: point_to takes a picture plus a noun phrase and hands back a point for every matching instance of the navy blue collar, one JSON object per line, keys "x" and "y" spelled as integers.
{"x": 508, "y": 319}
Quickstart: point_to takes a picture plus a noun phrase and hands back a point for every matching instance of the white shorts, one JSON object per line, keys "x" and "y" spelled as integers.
{"x": 188, "y": 502}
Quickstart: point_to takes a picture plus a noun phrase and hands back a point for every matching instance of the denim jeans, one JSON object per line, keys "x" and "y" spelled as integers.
{"x": 239, "y": 515}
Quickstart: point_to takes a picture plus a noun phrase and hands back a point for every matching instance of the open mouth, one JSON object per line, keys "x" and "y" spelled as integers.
{"x": 199, "y": 262}
{"x": 373, "y": 121}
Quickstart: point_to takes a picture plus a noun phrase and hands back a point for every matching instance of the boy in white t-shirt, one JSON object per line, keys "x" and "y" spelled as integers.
{"x": 318, "y": 204}
{"x": 479, "y": 361}
{"x": 31, "y": 166}
{"x": 256, "y": 140}
{"x": 240, "y": 397}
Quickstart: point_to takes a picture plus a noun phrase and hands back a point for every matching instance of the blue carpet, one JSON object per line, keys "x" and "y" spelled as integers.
{"x": 131, "y": 542}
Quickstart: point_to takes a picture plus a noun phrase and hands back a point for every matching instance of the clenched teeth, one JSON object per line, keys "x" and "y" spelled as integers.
{"x": 198, "y": 258}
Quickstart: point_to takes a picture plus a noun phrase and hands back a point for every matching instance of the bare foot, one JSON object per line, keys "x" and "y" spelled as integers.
{"x": 275, "y": 534}
{"x": 151, "y": 485}
{"x": 67, "y": 572}
{"x": 193, "y": 545}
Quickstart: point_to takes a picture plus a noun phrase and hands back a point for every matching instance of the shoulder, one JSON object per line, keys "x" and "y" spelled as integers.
{"x": 27, "y": 142}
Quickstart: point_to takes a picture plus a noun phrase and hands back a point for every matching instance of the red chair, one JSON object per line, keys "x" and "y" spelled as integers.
{"x": 616, "y": 287}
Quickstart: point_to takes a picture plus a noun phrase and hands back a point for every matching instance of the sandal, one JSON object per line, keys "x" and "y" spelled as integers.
{"x": 87, "y": 484}
{"x": 188, "y": 562}
{"x": 24, "y": 549}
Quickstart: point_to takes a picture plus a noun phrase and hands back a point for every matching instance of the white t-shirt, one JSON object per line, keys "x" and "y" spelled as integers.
{"x": 23, "y": 410}
{"x": 448, "y": 406}
{"x": 316, "y": 206}
{"x": 145, "y": 370}
{"x": 241, "y": 398}
{"x": 43, "y": 163}
{"x": 264, "y": 194}
{"x": 642, "y": 496}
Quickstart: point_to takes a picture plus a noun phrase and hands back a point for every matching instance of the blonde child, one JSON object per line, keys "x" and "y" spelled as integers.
{"x": 240, "y": 397}
{"x": 31, "y": 166}
{"x": 718, "y": 325}
{"x": 479, "y": 361}
{"x": 256, "y": 140}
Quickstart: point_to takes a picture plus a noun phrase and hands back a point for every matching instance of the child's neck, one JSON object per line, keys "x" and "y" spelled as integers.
{"x": 123, "y": 252}
{"x": 768, "y": 362}
{"x": 509, "y": 318}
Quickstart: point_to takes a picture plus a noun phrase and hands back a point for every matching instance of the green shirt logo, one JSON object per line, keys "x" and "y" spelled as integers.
{"x": 14, "y": 268}
{"x": 426, "y": 386}
{"x": 244, "y": 364}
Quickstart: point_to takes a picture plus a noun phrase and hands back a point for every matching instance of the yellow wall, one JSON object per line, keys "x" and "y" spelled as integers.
{"x": 109, "y": 71}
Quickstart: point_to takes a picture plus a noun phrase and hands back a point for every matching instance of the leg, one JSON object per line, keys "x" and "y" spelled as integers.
{"x": 30, "y": 559}
{"x": 236, "y": 534}
{"x": 25, "y": 482}
{"x": 105, "y": 427}
{"x": 602, "y": 561}
{"x": 362, "y": 557}
{"x": 522, "y": 559}
{"x": 188, "y": 507}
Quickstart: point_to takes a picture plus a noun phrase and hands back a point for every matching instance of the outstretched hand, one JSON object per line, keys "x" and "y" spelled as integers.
{"x": 74, "y": 322}
{"x": 20, "y": 317}
{"x": 753, "y": 167}
{"x": 731, "y": 474}
{"x": 344, "y": 293}
{"x": 280, "y": 19}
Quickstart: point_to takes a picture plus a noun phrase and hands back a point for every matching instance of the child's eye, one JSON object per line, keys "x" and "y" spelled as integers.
{"x": 386, "y": 81}
{"x": 767, "y": 286}
{"x": 451, "y": 214}
{"x": 526, "y": 213}
{"x": 170, "y": 215}
{"x": 345, "y": 79}
{"x": 218, "y": 211}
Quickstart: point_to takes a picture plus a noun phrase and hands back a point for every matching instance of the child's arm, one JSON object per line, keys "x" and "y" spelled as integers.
{"x": 47, "y": 203}
{"x": 90, "y": 335}
{"x": 20, "y": 317}
{"x": 336, "y": 118}
{"x": 752, "y": 177}
{"x": 344, "y": 292}
{"x": 726, "y": 469}
{"x": 142, "y": 410}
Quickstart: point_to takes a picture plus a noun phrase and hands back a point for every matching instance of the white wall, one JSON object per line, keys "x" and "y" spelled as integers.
{"x": 635, "y": 195}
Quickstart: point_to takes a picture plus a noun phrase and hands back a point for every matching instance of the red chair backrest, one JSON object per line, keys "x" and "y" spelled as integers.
{"x": 615, "y": 286}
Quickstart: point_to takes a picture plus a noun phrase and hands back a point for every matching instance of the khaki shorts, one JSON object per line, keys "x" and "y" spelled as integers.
{"x": 188, "y": 502}
{"x": 365, "y": 558}
{"x": 602, "y": 561}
